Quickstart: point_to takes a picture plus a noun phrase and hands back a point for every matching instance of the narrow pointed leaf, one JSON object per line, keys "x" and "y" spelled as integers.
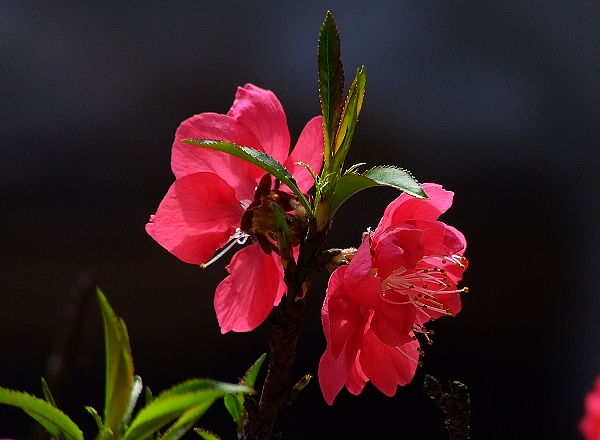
{"x": 96, "y": 417}
{"x": 252, "y": 373}
{"x": 331, "y": 82}
{"x": 206, "y": 435}
{"x": 172, "y": 404}
{"x": 119, "y": 368}
{"x": 350, "y": 184}
{"x": 47, "y": 393}
{"x": 235, "y": 402}
{"x": 147, "y": 396}
{"x": 54, "y": 421}
{"x": 186, "y": 421}
{"x": 257, "y": 158}
{"x": 136, "y": 390}
{"x": 350, "y": 115}
{"x": 235, "y": 409}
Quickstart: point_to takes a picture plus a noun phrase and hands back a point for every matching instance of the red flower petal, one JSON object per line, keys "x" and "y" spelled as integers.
{"x": 186, "y": 159}
{"x": 342, "y": 317}
{"x": 357, "y": 379}
{"x": 197, "y": 216}
{"x": 387, "y": 366}
{"x": 261, "y": 112}
{"x": 343, "y": 325}
{"x": 245, "y": 298}
{"x": 360, "y": 284}
{"x": 308, "y": 149}
{"x": 407, "y": 207}
{"x": 399, "y": 247}
{"x": 393, "y": 323}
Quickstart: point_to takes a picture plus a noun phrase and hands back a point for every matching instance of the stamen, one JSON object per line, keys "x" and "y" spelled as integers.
{"x": 402, "y": 350}
{"x": 425, "y": 288}
{"x": 238, "y": 237}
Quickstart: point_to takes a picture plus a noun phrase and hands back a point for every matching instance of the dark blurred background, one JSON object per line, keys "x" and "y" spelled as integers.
{"x": 497, "y": 101}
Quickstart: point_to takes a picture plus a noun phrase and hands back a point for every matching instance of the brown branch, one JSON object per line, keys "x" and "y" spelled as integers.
{"x": 455, "y": 405}
{"x": 277, "y": 394}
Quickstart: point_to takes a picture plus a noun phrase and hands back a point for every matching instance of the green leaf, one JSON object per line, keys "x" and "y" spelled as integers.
{"x": 47, "y": 393}
{"x": 206, "y": 435}
{"x": 257, "y": 158}
{"x": 119, "y": 368}
{"x": 396, "y": 178}
{"x": 235, "y": 402}
{"x": 331, "y": 82}
{"x": 235, "y": 409}
{"x": 350, "y": 184}
{"x": 96, "y": 417}
{"x": 136, "y": 390}
{"x": 54, "y": 421}
{"x": 252, "y": 373}
{"x": 147, "y": 396}
{"x": 350, "y": 115}
{"x": 186, "y": 421}
{"x": 174, "y": 403}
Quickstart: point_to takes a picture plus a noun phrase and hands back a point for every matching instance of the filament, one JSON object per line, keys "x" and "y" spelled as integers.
{"x": 238, "y": 237}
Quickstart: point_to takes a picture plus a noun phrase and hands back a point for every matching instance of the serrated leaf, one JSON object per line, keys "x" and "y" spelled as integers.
{"x": 96, "y": 417}
{"x": 147, "y": 396}
{"x": 47, "y": 393}
{"x": 175, "y": 402}
{"x": 119, "y": 367}
{"x": 235, "y": 409}
{"x": 235, "y": 402}
{"x": 257, "y": 158}
{"x": 206, "y": 434}
{"x": 396, "y": 178}
{"x": 350, "y": 184}
{"x": 352, "y": 107}
{"x": 252, "y": 373}
{"x": 186, "y": 421}
{"x": 331, "y": 82}
{"x": 54, "y": 421}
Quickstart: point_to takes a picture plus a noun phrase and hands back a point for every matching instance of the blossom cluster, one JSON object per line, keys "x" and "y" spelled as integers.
{"x": 403, "y": 275}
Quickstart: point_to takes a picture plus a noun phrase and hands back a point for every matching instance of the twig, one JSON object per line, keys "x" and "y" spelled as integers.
{"x": 276, "y": 393}
{"x": 455, "y": 405}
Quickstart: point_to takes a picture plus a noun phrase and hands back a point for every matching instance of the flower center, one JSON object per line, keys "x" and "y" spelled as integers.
{"x": 428, "y": 287}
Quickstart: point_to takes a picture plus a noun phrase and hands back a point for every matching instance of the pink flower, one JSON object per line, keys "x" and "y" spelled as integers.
{"x": 403, "y": 275}
{"x": 589, "y": 425}
{"x": 213, "y": 191}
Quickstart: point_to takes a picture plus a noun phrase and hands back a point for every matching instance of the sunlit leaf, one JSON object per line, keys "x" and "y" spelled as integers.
{"x": 350, "y": 184}
{"x": 331, "y": 82}
{"x": 206, "y": 435}
{"x": 119, "y": 367}
{"x": 252, "y": 373}
{"x": 47, "y": 393}
{"x": 350, "y": 115}
{"x": 54, "y": 421}
{"x": 397, "y": 178}
{"x": 235, "y": 409}
{"x": 195, "y": 396}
